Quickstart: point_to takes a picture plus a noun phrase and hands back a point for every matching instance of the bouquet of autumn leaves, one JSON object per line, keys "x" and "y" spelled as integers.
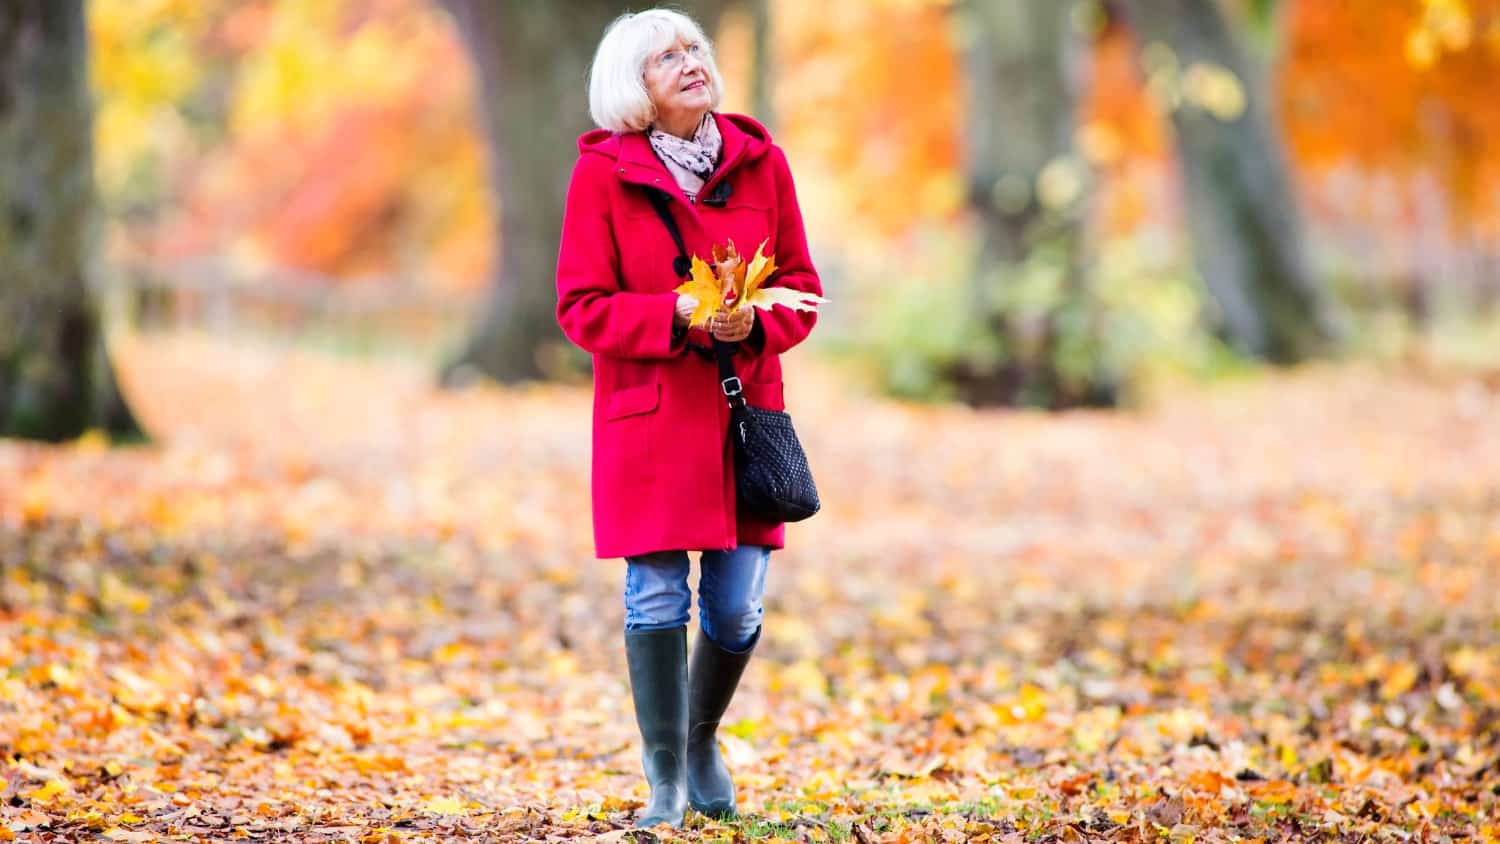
{"x": 731, "y": 284}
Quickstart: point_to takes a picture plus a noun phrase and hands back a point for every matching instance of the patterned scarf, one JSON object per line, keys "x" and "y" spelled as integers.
{"x": 691, "y": 161}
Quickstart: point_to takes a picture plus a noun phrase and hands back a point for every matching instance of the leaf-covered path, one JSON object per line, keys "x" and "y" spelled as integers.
{"x": 334, "y": 604}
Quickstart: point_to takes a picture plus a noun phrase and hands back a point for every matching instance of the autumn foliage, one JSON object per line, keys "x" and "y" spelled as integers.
{"x": 334, "y": 137}
{"x": 340, "y": 136}
{"x": 1401, "y": 90}
{"x": 331, "y": 602}
{"x": 1254, "y": 613}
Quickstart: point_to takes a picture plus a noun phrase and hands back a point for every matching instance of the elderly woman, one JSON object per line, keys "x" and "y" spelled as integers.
{"x": 663, "y": 482}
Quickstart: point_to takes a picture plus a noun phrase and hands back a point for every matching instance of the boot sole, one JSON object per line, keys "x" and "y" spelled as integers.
{"x": 641, "y": 824}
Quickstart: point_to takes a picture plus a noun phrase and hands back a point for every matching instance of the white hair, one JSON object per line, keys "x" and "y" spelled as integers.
{"x": 618, "y": 99}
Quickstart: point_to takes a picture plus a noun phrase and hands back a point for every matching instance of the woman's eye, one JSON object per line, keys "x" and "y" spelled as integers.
{"x": 667, "y": 58}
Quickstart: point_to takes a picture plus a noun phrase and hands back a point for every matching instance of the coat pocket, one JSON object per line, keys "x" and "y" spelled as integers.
{"x": 633, "y": 401}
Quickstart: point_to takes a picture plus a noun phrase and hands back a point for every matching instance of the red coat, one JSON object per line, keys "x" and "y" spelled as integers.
{"x": 662, "y": 472}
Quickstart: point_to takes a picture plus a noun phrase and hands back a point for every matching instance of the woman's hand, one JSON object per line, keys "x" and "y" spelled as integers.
{"x": 685, "y": 306}
{"x": 733, "y": 326}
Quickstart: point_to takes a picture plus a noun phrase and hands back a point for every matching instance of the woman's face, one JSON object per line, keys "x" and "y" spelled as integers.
{"x": 677, "y": 81}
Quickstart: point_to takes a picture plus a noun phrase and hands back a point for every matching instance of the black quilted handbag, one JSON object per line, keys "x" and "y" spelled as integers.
{"x": 771, "y": 478}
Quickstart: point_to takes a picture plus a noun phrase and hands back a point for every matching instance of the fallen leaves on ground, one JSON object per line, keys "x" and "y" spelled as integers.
{"x": 334, "y": 604}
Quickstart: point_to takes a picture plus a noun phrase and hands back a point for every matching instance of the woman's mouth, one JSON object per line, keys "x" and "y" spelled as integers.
{"x": 697, "y": 83}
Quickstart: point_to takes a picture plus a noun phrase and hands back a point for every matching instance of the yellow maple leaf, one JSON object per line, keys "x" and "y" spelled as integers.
{"x": 61, "y": 676}
{"x": 760, "y": 268}
{"x": 730, "y": 283}
{"x": 35, "y": 505}
{"x": 48, "y": 792}
{"x": 444, "y": 806}
{"x": 92, "y": 441}
{"x": 705, "y": 287}
{"x": 1398, "y": 680}
{"x": 798, "y": 300}
{"x": 750, "y": 287}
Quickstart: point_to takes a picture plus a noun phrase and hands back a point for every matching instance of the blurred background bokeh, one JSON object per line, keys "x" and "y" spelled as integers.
{"x": 1012, "y": 203}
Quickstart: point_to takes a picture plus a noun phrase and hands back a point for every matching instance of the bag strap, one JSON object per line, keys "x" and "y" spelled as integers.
{"x": 729, "y": 382}
{"x": 734, "y": 391}
{"x": 681, "y": 265}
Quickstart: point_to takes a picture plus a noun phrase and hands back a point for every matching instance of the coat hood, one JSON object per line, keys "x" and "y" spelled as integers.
{"x": 745, "y": 140}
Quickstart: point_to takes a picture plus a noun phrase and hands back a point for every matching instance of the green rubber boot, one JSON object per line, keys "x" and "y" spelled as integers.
{"x": 658, "y": 684}
{"x": 712, "y": 679}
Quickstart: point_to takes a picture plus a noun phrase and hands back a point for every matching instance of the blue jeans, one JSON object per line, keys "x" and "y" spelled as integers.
{"x": 731, "y": 585}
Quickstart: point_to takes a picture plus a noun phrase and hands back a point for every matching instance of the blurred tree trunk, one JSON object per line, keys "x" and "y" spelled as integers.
{"x": 1241, "y": 209}
{"x": 1263, "y": 21}
{"x": 55, "y": 376}
{"x": 762, "y": 70}
{"x": 531, "y": 63}
{"x": 1025, "y": 68}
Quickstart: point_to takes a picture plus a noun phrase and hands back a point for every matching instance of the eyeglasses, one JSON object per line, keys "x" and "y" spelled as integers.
{"x": 670, "y": 59}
